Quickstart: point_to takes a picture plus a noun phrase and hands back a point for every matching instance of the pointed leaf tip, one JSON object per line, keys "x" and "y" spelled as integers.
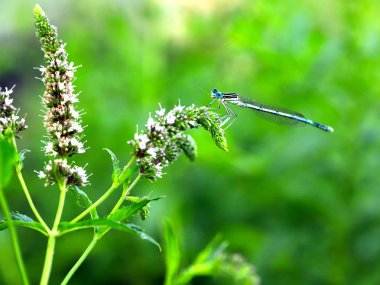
{"x": 115, "y": 163}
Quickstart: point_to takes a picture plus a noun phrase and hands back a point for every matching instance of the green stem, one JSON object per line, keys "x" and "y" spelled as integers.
{"x": 80, "y": 260}
{"x": 122, "y": 177}
{"x": 26, "y": 191}
{"x": 14, "y": 238}
{"x": 97, "y": 203}
{"x": 53, "y": 235}
{"x": 121, "y": 200}
{"x": 185, "y": 276}
{"x": 126, "y": 193}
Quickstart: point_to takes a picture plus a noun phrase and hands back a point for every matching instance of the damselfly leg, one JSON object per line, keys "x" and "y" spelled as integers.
{"x": 230, "y": 116}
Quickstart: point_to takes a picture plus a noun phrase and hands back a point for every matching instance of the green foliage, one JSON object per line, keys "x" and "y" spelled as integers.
{"x": 172, "y": 254}
{"x": 66, "y": 227}
{"x": 83, "y": 201}
{"x": 7, "y": 158}
{"x": 126, "y": 212}
{"x": 211, "y": 261}
{"x": 22, "y": 221}
{"x": 115, "y": 163}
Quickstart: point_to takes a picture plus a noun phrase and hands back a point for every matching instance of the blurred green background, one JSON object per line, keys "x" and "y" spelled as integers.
{"x": 302, "y": 205}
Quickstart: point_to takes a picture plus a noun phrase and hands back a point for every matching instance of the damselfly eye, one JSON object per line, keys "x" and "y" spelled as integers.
{"x": 216, "y": 94}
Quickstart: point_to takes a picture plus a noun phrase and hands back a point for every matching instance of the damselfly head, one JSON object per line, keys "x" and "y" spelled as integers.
{"x": 216, "y": 94}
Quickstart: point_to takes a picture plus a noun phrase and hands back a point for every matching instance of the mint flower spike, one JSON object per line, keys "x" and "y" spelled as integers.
{"x": 61, "y": 120}
{"x": 164, "y": 139}
{"x": 10, "y": 122}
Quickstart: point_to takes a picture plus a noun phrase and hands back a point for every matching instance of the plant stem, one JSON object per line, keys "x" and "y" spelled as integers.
{"x": 97, "y": 203}
{"x": 122, "y": 177}
{"x": 80, "y": 260}
{"x": 14, "y": 238}
{"x": 126, "y": 193}
{"x": 26, "y": 191}
{"x": 121, "y": 200}
{"x": 53, "y": 235}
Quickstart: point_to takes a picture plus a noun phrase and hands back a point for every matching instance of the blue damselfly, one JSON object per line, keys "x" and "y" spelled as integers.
{"x": 277, "y": 114}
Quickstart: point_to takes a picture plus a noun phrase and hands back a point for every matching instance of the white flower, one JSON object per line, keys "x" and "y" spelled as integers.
{"x": 58, "y": 62}
{"x": 150, "y": 123}
{"x": 49, "y": 148}
{"x": 70, "y": 73}
{"x": 41, "y": 174}
{"x": 49, "y": 167}
{"x": 152, "y": 152}
{"x": 22, "y": 121}
{"x": 78, "y": 144}
{"x": 178, "y": 108}
{"x": 161, "y": 112}
{"x": 8, "y": 101}
{"x": 63, "y": 142}
{"x": 74, "y": 113}
{"x": 142, "y": 139}
{"x": 81, "y": 173}
{"x": 75, "y": 126}
{"x": 4, "y": 121}
{"x": 158, "y": 167}
{"x": 170, "y": 118}
{"x": 61, "y": 50}
{"x": 43, "y": 70}
{"x": 8, "y": 92}
{"x": 159, "y": 128}
{"x": 61, "y": 86}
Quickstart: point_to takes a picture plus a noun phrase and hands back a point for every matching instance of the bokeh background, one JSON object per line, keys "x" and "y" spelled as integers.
{"x": 302, "y": 205}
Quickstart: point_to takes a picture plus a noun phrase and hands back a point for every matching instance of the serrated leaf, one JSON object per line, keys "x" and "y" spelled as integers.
{"x": 83, "y": 201}
{"x": 65, "y": 227}
{"x": 115, "y": 164}
{"x": 139, "y": 232}
{"x": 7, "y": 158}
{"x": 23, "y": 221}
{"x": 172, "y": 253}
{"x": 126, "y": 212}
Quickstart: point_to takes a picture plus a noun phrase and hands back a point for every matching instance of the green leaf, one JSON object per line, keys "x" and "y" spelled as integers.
{"x": 7, "y": 158}
{"x": 127, "y": 212}
{"x": 212, "y": 251}
{"x": 83, "y": 201}
{"x": 206, "y": 263}
{"x": 172, "y": 254}
{"x": 115, "y": 163}
{"x": 22, "y": 221}
{"x": 65, "y": 227}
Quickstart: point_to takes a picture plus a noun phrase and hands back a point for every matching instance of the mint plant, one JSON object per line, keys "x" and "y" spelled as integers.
{"x": 152, "y": 149}
{"x": 213, "y": 260}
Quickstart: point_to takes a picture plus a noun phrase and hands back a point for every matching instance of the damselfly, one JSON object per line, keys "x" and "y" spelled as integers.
{"x": 278, "y": 114}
